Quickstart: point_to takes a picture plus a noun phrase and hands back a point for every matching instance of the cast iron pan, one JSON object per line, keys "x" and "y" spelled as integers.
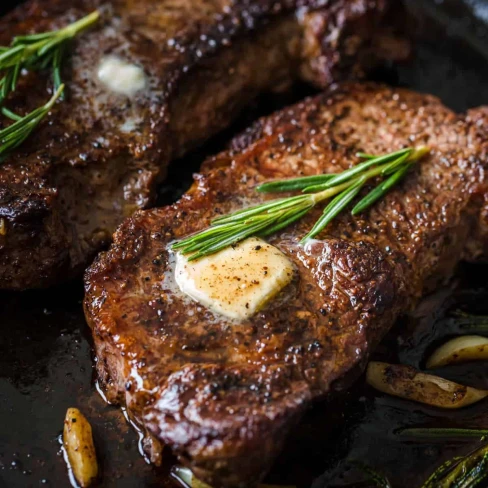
{"x": 45, "y": 349}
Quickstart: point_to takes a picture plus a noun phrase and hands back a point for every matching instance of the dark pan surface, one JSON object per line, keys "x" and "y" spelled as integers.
{"x": 45, "y": 351}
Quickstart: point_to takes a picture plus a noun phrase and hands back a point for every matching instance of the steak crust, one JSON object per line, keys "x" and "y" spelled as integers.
{"x": 99, "y": 156}
{"x": 223, "y": 395}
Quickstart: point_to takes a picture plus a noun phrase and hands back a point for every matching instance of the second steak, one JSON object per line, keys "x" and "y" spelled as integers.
{"x": 99, "y": 156}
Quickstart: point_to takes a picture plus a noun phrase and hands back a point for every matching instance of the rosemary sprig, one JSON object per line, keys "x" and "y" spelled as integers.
{"x": 464, "y": 472}
{"x": 15, "y": 134}
{"x": 270, "y": 217}
{"x": 34, "y": 51}
{"x": 443, "y": 433}
{"x": 471, "y": 322}
{"x": 38, "y": 51}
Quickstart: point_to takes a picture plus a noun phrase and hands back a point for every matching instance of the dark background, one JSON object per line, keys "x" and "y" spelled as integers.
{"x": 45, "y": 350}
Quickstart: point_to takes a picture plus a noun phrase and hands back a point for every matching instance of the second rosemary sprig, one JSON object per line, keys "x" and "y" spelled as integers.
{"x": 270, "y": 217}
{"x": 39, "y": 51}
{"x": 34, "y": 52}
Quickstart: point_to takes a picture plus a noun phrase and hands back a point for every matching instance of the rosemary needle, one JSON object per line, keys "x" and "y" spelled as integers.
{"x": 270, "y": 217}
{"x": 38, "y": 51}
{"x": 15, "y": 134}
{"x": 9, "y": 114}
{"x": 294, "y": 184}
{"x": 381, "y": 189}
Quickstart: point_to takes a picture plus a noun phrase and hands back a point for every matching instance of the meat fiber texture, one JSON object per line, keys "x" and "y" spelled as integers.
{"x": 222, "y": 394}
{"x": 99, "y": 156}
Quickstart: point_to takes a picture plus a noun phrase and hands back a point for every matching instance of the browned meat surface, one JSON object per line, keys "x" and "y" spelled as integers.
{"x": 478, "y": 119}
{"x": 100, "y": 155}
{"x": 224, "y": 395}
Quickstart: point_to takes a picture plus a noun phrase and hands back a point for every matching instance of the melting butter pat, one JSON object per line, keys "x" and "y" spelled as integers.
{"x": 120, "y": 76}
{"x": 238, "y": 281}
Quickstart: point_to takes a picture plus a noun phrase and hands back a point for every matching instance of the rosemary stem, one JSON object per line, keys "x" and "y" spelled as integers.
{"x": 80, "y": 25}
{"x": 418, "y": 153}
{"x": 41, "y": 47}
{"x": 49, "y": 105}
{"x": 330, "y": 192}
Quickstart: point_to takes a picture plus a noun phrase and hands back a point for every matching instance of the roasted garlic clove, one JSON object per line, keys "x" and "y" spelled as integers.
{"x": 186, "y": 477}
{"x": 406, "y": 382}
{"x": 80, "y": 450}
{"x": 459, "y": 350}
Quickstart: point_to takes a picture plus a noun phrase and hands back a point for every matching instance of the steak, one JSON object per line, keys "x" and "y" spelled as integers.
{"x": 223, "y": 396}
{"x": 100, "y": 155}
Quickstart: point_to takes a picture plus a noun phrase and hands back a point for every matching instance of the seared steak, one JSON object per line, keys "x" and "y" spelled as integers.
{"x": 100, "y": 155}
{"x": 223, "y": 395}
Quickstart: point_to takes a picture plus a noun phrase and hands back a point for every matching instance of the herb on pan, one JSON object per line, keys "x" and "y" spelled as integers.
{"x": 270, "y": 217}
{"x": 471, "y": 322}
{"x": 443, "y": 433}
{"x": 461, "y": 472}
{"x": 16, "y": 133}
{"x": 38, "y": 51}
{"x": 379, "y": 479}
